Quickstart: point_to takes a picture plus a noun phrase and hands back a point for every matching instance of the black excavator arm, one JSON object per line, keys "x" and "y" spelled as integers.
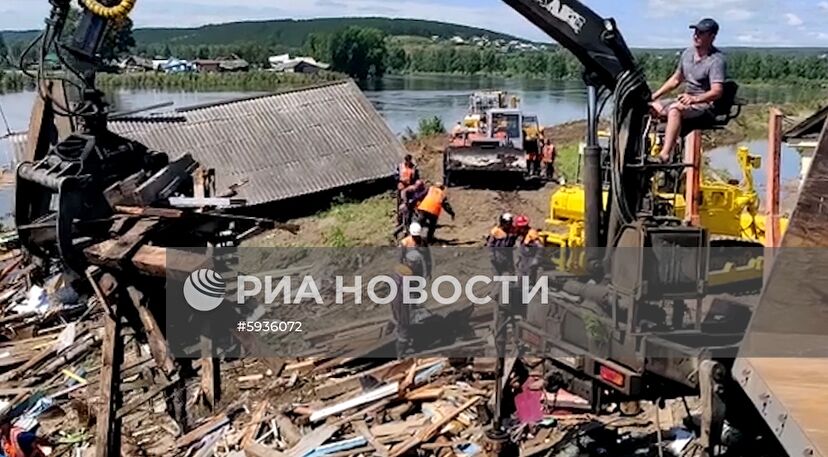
{"x": 608, "y": 64}
{"x": 595, "y": 41}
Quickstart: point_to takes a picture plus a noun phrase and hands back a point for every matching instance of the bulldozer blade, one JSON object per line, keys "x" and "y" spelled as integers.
{"x": 461, "y": 164}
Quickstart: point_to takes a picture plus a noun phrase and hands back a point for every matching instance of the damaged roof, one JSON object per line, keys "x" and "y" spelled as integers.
{"x": 284, "y": 145}
{"x": 808, "y": 130}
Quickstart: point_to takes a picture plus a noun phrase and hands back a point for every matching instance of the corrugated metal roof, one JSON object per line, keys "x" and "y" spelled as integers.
{"x": 287, "y": 144}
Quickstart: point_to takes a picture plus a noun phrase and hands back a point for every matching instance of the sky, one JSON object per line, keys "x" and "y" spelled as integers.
{"x": 644, "y": 23}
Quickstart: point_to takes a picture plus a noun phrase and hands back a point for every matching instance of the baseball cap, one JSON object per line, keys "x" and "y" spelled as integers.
{"x": 706, "y": 25}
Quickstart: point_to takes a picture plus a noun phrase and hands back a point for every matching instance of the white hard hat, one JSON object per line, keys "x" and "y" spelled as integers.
{"x": 416, "y": 261}
{"x": 415, "y": 229}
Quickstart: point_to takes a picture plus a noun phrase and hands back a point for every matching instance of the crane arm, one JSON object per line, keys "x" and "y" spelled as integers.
{"x": 595, "y": 41}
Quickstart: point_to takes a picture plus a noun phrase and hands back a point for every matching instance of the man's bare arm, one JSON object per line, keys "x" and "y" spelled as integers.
{"x": 715, "y": 93}
{"x": 670, "y": 85}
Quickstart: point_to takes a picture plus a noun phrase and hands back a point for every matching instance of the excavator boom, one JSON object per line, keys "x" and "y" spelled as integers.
{"x": 595, "y": 41}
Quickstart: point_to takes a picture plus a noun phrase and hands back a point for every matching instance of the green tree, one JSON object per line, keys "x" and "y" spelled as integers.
{"x": 397, "y": 59}
{"x": 358, "y": 52}
{"x": 4, "y": 52}
{"x": 318, "y": 46}
{"x": 118, "y": 40}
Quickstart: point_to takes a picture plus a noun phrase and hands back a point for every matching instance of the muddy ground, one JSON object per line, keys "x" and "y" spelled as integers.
{"x": 371, "y": 222}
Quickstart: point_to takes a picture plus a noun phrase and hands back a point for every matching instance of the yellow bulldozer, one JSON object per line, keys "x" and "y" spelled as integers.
{"x": 729, "y": 210}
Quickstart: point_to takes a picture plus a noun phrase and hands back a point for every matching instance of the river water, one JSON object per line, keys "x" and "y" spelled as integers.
{"x": 403, "y": 101}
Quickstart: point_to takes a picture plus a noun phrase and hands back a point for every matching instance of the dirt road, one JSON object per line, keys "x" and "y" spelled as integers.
{"x": 370, "y": 222}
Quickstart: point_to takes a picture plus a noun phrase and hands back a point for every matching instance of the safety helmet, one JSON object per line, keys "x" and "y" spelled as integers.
{"x": 521, "y": 221}
{"x": 506, "y": 219}
{"x": 415, "y": 260}
{"x": 415, "y": 229}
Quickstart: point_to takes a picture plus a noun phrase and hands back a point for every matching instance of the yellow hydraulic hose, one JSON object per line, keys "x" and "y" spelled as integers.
{"x": 110, "y": 12}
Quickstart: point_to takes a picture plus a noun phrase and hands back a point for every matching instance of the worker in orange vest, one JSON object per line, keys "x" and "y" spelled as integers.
{"x": 529, "y": 248}
{"x": 415, "y": 241}
{"x": 532, "y": 156}
{"x": 430, "y": 208}
{"x": 403, "y": 313}
{"x": 16, "y": 442}
{"x": 548, "y": 158}
{"x": 500, "y": 241}
{"x": 407, "y": 173}
{"x": 409, "y": 198}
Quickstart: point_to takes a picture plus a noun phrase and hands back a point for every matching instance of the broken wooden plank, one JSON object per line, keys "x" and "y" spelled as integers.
{"x": 289, "y": 433}
{"x": 425, "y": 393}
{"x": 167, "y": 213}
{"x": 368, "y": 397}
{"x": 338, "y": 447}
{"x": 163, "y": 183}
{"x": 362, "y": 429}
{"x": 159, "y": 349}
{"x": 313, "y": 440}
{"x": 214, "y": 202}
{"x": 349, "y": 383}
{"x": 202, "y": 430}
{"x": 432, "y": 430}
{"x": 258, "y": 450}
{"x": 252, "y": 429}
{"x": 143, "y": 399}
{"x": 108, "y": 426}
{"x": 124, "y": 246}
{"x": 210, "y": 373}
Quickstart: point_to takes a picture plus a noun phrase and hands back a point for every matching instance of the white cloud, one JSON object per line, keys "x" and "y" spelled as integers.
{"x": 756, "y": 38}
{"x": 664, "y": 8}
{"x": 823, "y": 6}
{"x": 793, "y": 20}
{"x": 738, "y": 14}
{"x": 823, "y": 36}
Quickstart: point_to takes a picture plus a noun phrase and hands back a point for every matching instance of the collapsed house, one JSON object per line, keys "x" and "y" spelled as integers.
{"x": 276, "y": 147}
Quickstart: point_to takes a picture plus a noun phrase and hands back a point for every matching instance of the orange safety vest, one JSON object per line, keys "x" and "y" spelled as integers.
{"x": 408, "y": 242}
{"x": 11, "y": 448}
{"x": 532, "y": 237}
{"x": 433, "y": 201}
{"x": 406, "y": 174}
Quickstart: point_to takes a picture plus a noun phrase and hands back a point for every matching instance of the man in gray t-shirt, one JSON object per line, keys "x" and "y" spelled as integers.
{"x": 703, "y": 70}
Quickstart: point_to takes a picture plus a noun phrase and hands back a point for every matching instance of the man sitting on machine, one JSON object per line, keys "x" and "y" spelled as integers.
{"x": 702, "y": 68}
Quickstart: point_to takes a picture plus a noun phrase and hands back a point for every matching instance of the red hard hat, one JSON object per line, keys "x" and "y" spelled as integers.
{"x": 522, "y": 221}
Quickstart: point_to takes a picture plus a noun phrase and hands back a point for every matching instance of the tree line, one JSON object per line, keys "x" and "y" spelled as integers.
{"x": 365, "y": 52}
{"x": 560, "y": 64}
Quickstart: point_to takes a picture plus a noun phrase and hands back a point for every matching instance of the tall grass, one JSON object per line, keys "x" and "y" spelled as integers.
{"x": 254, "y": 80}
{"x": 14, "y": 81}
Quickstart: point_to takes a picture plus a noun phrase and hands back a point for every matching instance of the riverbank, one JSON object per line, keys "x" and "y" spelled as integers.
{"x": 15, "y": 81}
{"x": 248, "y": 81}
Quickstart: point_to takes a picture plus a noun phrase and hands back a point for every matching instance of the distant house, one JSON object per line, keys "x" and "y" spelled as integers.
{"x": 458, "y": 40}
{"x": 284, "y": 63}
{"x": 298, "y": 66}
{"x": 133, "y": 64}
{"x": 158, "y": 63}
{"x": 232, "y": 65}
{"x": 206, "y": 66}
{"x": 178, "y": 66}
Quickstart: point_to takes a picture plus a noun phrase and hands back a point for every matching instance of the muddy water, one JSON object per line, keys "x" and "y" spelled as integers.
{"x": 724, "y": 158}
